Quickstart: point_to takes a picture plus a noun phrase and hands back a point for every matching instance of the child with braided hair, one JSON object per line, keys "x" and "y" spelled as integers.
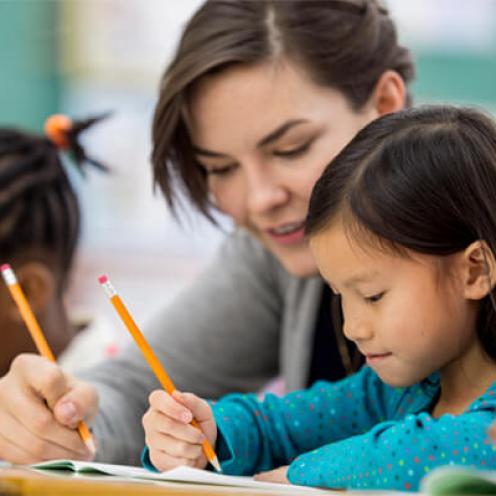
{"x": 39, "y": 229}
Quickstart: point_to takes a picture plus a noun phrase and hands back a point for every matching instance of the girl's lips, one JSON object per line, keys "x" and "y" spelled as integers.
{"x": 289, "y": 238}
{"x": 371, "y": 359}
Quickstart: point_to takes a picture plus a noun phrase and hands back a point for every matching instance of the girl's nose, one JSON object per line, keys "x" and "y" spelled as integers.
{"x": 357, "y": 329}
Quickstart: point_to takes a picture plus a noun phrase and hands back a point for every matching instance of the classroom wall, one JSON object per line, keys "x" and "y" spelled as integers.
{"x": 30, "y": 82}
{"x": 454, "y": 44}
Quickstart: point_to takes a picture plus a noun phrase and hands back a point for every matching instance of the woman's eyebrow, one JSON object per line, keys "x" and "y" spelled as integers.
{"x": 207, "y": 153}
{"x": 277, "y": 133}
{"x": 271, "y": 137}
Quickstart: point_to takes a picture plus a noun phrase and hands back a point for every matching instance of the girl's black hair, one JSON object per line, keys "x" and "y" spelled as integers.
{"x": 422, "y": 179}
{"x": 39, "y": 209}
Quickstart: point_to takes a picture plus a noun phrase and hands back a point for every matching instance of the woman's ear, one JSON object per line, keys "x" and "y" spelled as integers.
{"x": 39, "y": 285}
{"x": 480, "y": 270}
{"x": 389, "y": 93}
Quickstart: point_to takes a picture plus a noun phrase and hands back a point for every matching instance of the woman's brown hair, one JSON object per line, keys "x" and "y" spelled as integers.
{"x": 344, "y": 44}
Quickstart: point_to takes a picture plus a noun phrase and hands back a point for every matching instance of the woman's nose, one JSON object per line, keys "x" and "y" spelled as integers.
{"x": 265, "y": 192}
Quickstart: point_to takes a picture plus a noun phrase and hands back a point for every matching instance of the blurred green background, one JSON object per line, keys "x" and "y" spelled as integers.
{"x": 33, "y": 81}
{"x": 30, "y": 81}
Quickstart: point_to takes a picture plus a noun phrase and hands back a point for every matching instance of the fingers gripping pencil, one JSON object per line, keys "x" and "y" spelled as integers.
{"x": 150, "y": 357}
{"x": 38, "y": 336}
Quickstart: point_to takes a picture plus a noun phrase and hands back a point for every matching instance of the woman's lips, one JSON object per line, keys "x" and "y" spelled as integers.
{"x": 288, "y": 234}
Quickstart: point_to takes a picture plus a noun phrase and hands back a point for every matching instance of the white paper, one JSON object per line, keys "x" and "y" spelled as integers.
{"x": 179, "y": 474}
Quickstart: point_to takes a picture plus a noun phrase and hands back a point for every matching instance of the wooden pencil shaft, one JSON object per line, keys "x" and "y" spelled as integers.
{"x": 153, "y": 361}
{"x": 150, "y": 356}
{"x": 84, "y": 432}
{"x": 39, "y": 340}
{"x": 31, "y": 322}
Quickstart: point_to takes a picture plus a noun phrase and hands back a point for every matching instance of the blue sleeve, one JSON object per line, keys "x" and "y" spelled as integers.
{"x": 259, "y": 435}
{"x": 145, "y": 460}
{"x": 396, "y": 455}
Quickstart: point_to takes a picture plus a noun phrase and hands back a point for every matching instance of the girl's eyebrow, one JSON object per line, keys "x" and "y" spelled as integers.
{"x": 270, "y": 138}
{"x": 360, "y": 278}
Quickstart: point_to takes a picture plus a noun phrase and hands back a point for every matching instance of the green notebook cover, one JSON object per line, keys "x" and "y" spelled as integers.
{"x": 455, "y": 480}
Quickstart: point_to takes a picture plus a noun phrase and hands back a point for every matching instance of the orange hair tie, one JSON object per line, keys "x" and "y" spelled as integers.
{"x": 56, "y": 128}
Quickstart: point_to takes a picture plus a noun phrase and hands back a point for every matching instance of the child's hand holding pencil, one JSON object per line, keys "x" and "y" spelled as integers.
{"x": 178, "y": 432}
{"x": 169, "y": 435}
{"x": 35, "y": 390}
{"x": 41, "y": 407}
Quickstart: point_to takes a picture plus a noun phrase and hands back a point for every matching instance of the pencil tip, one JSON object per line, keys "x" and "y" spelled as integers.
{"x": 90, "y": 444}
{"x": 215, "y": 463}
{"x": 103, "y": 279}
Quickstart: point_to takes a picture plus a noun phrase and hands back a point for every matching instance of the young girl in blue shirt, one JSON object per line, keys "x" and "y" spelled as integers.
{"x": 402, "y": 225}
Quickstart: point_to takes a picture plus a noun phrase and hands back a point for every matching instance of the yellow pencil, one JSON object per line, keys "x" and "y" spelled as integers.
{"x": 38, "y": 337}
{"x": 150, "y": 357}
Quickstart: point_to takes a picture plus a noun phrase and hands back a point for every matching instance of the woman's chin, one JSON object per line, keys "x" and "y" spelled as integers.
{"x": 296, "y": 258}
{"x": 299, "y": 263}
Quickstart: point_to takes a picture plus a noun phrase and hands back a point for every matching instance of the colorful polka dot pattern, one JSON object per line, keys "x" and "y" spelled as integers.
{"x": 357, "y": 433}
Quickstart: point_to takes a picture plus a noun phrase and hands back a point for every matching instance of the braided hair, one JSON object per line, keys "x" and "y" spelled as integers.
{"x": 39, "y": 209}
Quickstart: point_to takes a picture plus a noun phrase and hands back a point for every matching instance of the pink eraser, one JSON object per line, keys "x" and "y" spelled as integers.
{"x": 102, "y": 279}
{"x": 5, "y": 267}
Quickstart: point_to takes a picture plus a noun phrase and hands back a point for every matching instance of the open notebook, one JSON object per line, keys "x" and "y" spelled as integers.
{"x": 180, "y": 474}
{"x": 453, "y": 480}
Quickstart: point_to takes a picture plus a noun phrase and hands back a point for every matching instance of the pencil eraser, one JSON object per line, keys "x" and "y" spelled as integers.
{"x": 5, "y": 267}
{"x": 102, "y": 279}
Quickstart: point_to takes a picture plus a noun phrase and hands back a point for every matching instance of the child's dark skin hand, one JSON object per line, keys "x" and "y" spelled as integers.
{"x": 40, "y": 408}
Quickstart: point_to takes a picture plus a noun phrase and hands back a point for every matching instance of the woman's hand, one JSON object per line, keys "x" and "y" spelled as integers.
{"x": 279, "y": 475}
{"x": 169, "y": 435}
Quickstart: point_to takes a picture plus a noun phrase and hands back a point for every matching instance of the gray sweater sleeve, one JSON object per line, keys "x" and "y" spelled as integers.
{"x": 220, "y": 335}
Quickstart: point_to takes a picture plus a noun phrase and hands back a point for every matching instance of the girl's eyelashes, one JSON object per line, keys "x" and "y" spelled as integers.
{"x": 294, "y": 152}
{"x": 374, "y": 298}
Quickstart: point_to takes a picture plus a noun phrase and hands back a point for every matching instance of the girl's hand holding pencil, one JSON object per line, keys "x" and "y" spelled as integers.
{"x": 195, "y": 405}
{"x": 169, "y": 435}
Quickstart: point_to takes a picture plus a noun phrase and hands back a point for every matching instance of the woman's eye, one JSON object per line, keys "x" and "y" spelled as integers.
{"x": 293, "y": 153}
{"x": 374, "y": 298}
{"x": 220, "y": 171}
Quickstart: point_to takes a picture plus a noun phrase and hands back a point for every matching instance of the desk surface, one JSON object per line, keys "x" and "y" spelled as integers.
{"x": 23, "y": 481}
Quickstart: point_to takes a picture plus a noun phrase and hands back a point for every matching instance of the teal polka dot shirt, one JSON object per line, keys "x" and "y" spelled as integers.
{"x": 357, "y": 433}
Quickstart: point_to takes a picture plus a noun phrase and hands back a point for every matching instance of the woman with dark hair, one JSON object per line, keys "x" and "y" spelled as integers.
{"x": 402, "y": 225}
{"x": 259, "y": 97}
